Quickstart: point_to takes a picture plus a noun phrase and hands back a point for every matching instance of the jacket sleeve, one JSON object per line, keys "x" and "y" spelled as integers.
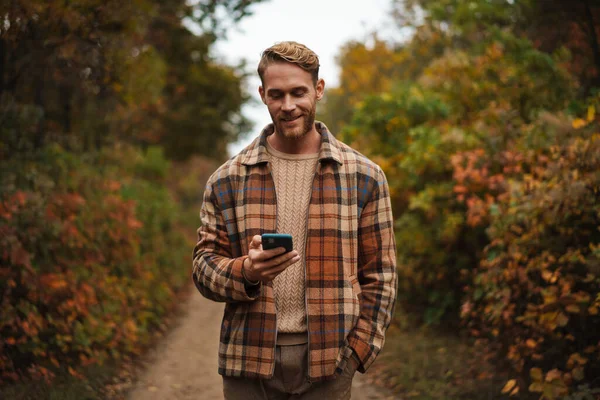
{"x": 376, "y": 274}
{"x": 216, "y": 274}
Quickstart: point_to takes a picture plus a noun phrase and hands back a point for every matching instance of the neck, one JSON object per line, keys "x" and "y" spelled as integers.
{"x": 310, "y": 143}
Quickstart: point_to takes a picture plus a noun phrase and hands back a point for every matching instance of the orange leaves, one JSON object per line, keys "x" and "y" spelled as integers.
{"x": 576, "y": 360}
{"x": 475, "y": 185}
{"x": 74, "y": 373}
{"x": 19, "y": 256}
{"x": 12, "y": 204}
{"x": 112, "y": 186}
{"x": 543, "y": 252}
{"x": 531, "y": 343}
{"x": 53, "y": 282}
{"x": 133, "y": 223}
{"x": 78, "y": 286}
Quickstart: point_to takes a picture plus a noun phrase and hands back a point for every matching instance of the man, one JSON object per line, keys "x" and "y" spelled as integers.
{"x": 302, "y": 322}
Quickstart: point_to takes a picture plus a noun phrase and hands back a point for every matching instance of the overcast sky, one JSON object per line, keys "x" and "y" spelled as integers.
{"x": 322, "y": 25}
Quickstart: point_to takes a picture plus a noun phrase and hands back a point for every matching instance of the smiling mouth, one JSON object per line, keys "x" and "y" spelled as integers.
{"x": 290, "y": 119}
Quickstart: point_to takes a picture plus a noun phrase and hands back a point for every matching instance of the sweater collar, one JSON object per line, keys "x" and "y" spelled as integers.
{"x": 256, "y": 152}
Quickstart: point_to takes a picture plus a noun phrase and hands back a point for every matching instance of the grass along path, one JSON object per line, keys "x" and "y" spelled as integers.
{"x": 421, "y": 364}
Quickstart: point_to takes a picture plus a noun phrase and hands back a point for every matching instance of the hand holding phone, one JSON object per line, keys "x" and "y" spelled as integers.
{"x": 268, "y": 256}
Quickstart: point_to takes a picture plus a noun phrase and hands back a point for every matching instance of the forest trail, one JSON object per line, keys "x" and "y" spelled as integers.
{"x": 183, "y": 366}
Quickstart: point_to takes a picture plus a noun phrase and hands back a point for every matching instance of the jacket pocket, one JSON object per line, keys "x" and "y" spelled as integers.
{"x": 356, "y": 299}
{"x": 356, "y": 289}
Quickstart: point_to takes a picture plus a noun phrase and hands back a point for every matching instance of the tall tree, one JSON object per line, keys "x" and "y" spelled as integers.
{"x": 550, "y": 25}
{"x": 99, "y": 69}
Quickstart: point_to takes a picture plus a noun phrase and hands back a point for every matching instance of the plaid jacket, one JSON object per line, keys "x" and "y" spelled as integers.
{"x": 350, "y": 259}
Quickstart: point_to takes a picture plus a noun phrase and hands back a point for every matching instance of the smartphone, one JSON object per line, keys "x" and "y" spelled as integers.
{"x": 274, "y": 240}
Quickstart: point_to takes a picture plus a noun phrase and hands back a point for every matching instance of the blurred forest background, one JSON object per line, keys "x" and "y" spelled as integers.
{"x": 112, "y": 115}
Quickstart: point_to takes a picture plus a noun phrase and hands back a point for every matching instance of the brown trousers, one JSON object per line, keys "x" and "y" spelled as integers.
{"x": 290, "y": 380}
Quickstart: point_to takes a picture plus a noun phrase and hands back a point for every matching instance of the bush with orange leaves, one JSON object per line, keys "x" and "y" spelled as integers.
{"x": 89, "y": 258}
{"x": 536, "y": 294}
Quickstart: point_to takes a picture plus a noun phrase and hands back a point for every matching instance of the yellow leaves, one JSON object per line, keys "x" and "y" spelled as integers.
{"x": 579, "y": 123}
{"x": 578, "y": 373}
{"x": 536, "y": 387}
{"x": 511, "y": 387}
{"x": 536, "y": 374}
{"x": 591, "y": 113}
{"x": 576, "y": 362}
{"x": 552, "y": 387}
{"x": 396, "y": 122}
{"x": 552, "y": 320}
{"x": 562, "y": 319}
{"x": 366, "y": 70}
{"x": 573, "y": 309}
{"x": 582, "y": 297}
{"x": 495, "y": 51}
{"x": 549, "y": 276}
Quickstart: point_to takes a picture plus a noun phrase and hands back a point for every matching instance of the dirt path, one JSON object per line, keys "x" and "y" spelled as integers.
{"x": 184, "y": 365}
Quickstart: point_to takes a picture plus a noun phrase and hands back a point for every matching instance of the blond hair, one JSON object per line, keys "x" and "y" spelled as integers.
{"x": 293, "y": 53}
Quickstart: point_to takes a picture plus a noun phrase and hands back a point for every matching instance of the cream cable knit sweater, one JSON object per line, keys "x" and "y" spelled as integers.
{"x": 293, "y": 175}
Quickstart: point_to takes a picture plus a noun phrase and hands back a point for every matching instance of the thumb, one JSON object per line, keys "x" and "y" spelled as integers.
{"x": 256, "y": 242}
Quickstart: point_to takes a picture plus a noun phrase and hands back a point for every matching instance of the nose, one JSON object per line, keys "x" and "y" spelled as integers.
{"x": 288, "y": 104}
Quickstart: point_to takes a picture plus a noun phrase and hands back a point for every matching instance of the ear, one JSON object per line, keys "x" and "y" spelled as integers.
{"x": 261, "y": 91}
{"x": 320, "y": 88}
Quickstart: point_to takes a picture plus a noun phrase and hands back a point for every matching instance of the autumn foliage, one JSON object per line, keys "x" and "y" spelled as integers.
{"x": 490, "y": 140}
{"x": 90, "y": 257}
{"x": 536, "y": 293}
{"x": 97, "y": 97}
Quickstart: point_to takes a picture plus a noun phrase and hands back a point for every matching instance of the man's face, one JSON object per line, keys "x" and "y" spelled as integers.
{"x": 291, "y": 96}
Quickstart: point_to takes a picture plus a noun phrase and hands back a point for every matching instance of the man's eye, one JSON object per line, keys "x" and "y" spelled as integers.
{"x": 299, "y": 93}
{"x": 275, "y": 95}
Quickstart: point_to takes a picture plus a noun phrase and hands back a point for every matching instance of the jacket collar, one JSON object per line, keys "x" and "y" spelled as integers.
{"x": 256, "y": 152}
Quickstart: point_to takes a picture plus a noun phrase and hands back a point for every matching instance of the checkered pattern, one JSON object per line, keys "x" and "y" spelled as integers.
{"x": 350, "y": 259}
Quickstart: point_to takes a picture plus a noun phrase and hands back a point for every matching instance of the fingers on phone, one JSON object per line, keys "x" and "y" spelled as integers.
{"x": 276, "y": 265}
{"x": 287, "y": 261}
{"x": 279, "y": 268}
{"x": 271, "y": 253}
{"x": 286, "y": 257}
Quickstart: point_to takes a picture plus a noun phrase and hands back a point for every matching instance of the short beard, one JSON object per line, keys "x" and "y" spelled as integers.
{"x": 307, "y": 126}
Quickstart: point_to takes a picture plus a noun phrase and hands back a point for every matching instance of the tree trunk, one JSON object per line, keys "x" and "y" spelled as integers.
{"x": 594, "y": 41}
{"x": 2, "y": 58}
{"x": 39, "y": 101}
{"x": 65, "y": 96}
